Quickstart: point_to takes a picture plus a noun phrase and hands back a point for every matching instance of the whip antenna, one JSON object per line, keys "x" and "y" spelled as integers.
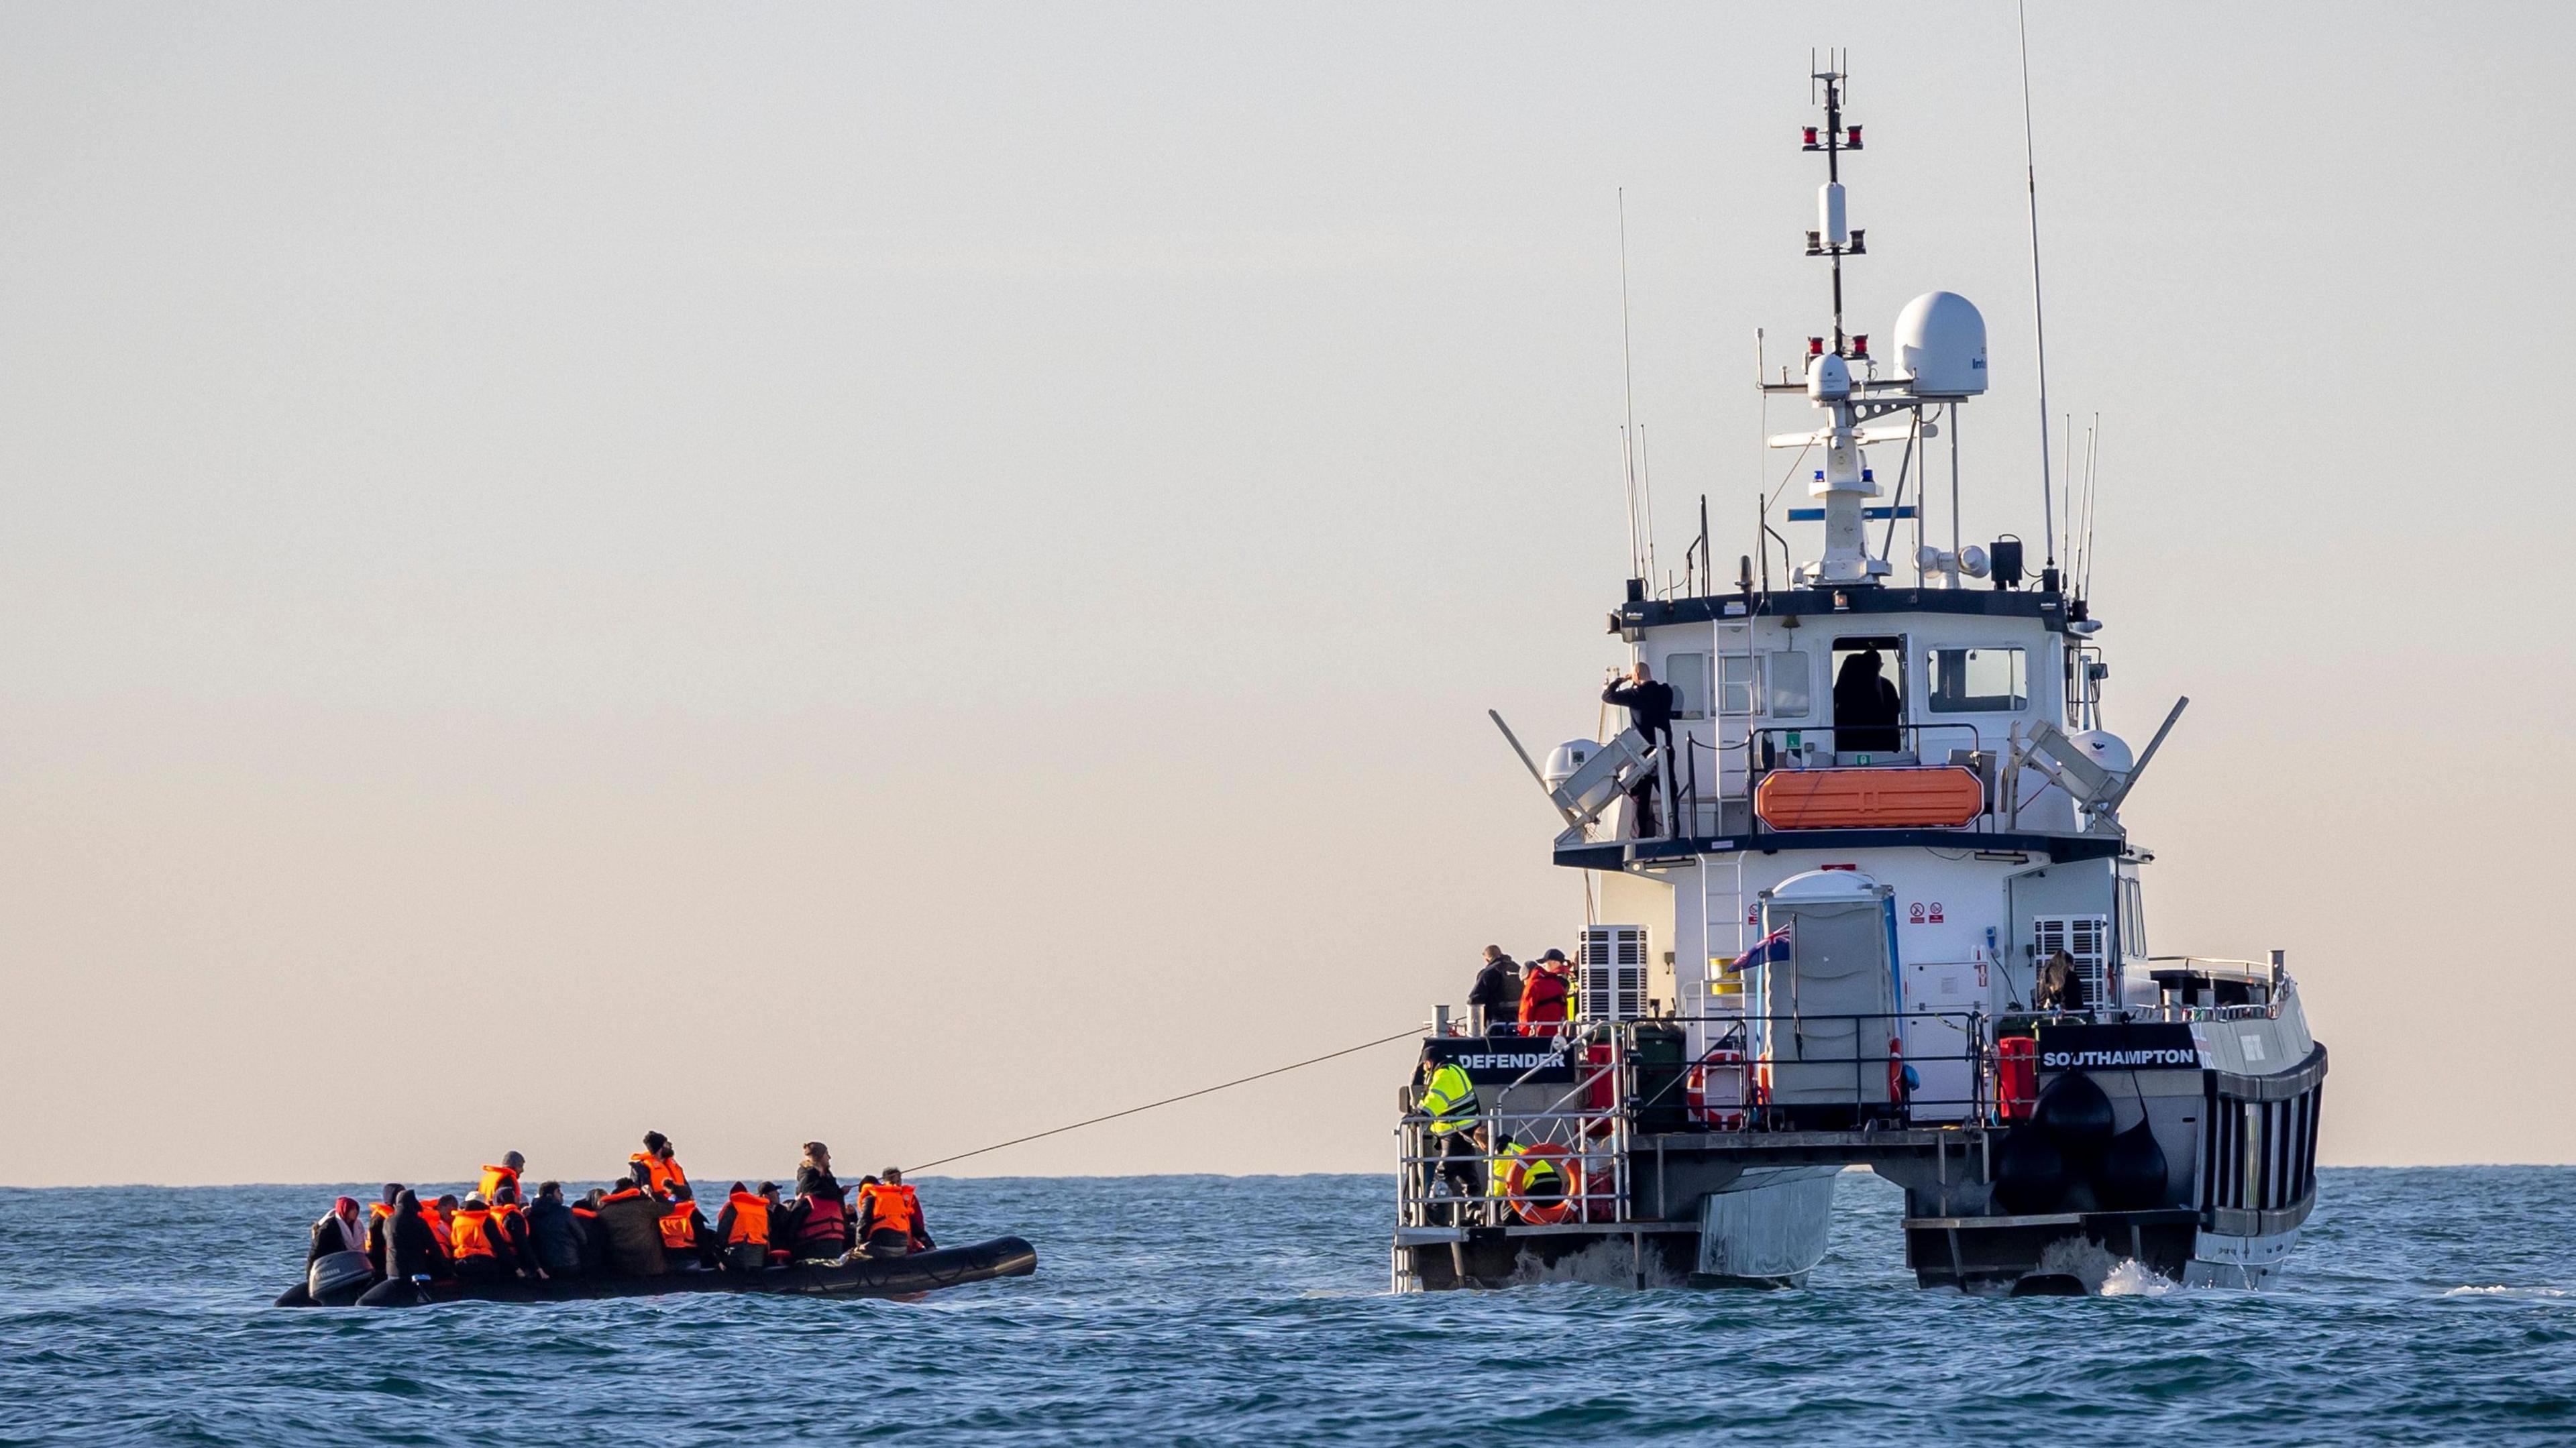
{"x": 2038, "y": 313}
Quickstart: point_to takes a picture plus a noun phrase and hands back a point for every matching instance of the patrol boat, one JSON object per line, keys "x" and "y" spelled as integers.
{"x": 1867, "y": 902}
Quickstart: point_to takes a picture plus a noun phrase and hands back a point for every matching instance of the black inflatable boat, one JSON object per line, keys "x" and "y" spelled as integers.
{"x": 337, "y": 1281}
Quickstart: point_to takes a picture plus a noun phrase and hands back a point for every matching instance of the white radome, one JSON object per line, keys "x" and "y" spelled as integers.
{"x": 1941, "y": 346}
{"x": 1565, "y": 759}
{"x": 2106, "y": 749}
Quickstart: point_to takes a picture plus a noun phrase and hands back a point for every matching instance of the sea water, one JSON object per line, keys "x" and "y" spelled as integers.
{"x": 2424, "y": 1306}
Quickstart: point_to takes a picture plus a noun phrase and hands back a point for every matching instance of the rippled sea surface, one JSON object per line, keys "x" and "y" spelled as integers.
{"x": 2425, "y": 1306}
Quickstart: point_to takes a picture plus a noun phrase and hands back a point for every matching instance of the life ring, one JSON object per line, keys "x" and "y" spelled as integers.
{"x": 1716, "y": 1117}
{"x": 1543, "y": 1211}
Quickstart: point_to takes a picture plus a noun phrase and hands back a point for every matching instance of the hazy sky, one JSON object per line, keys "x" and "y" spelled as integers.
{"x": 907, "y": 574}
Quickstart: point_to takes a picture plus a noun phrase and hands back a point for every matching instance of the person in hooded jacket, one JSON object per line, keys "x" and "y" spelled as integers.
{"x": 554, "y": 1233}
{"x": 594, "y": 1241}
{"x": 818, "y": 1221}
{"x": 339, "y": 1230}
{"x": 379, "y": 1214}
{"x": 1867, "y": 709}
{"x": 630, "y": 1225}
{"x": 412, "y": 1250}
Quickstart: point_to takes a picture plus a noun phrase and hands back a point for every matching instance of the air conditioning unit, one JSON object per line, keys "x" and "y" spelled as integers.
{"x": 2087, "y": 940}
{"x": 1613, "y": 973}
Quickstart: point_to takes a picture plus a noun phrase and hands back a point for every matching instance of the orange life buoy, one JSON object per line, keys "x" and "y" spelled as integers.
{"x": 1716, "y": 1116}
{"x": 1541, "y": 1211}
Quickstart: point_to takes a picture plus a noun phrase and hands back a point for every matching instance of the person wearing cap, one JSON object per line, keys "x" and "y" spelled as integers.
{"x": 1496, "y": 995}
{"x": 1545, "y": 995}
{"x": 1449, "y": 1099}
{"x": 339, "y": 1230}
{"x": 660, "y": 1163}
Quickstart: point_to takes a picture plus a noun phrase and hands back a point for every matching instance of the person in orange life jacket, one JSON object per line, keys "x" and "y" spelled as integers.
{"x": 504, "y": 1175}
{"x": 479, "y": 1245}
{"x": 339, "y": 1230}
{"x": 630, "y": 1229}
{"x": 378, "y": 1214}
{"x": 555, "y": 1232}
{"x": 818, "y": 1221}
{"x": 742, "y": 1228}
{"x": 412, "y": 1250}
{"x": 890, "y": 1220}
{"x": 686, "y": 1238}
{"x": 777, "y": 1221}
{"x": 660, "y": 1163}
{"x": 437, "y": 1215}
{"x": 1543, "y": 997}
{"x": 512, "y": 1219}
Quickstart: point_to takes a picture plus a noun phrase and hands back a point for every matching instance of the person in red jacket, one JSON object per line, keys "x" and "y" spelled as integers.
{"x": 1546, "y": 995}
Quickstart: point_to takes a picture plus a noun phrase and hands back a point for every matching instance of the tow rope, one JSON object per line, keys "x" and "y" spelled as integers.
{"x": 1413, "y": 1033}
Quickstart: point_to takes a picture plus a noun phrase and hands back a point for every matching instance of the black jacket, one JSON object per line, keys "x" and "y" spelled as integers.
{"x": 1497, "y": 990}
{"x": 631, "y": 1227}
{"x": 554, "y": 1236}
{"x": 412, "y": 1250}
{"x": 1649, "y": 706}
{"x": 328, "y": 1238}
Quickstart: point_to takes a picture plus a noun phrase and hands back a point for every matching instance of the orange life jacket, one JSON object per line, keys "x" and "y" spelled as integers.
{"x": 892, "y": 1208}
{"x": 437, "y": 1226}
{"x": 495, "y": 1177}
{"x": 824, "y": 1216}
{"x": 750, "y": 1219}
{"x": 680, "y": 1229}
{"x": 472, "y": 1231}
{"x": 1543, "y": 998}
{"x": 664, "y": 1171}
{"x": 380, "y": 1211}
{"x": 507, "y": 1217}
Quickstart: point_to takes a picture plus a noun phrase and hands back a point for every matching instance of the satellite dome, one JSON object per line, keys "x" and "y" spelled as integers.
{"x": 1941, "y": 346}
{"x": 2106, "y": 749}
{"x": 1565, "y": 759}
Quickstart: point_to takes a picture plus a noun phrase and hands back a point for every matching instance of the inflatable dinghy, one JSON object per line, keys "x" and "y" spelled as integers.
{"x": 343, "y": 1279}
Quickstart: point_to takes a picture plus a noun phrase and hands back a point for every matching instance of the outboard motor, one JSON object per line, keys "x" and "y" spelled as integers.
{"x": 338, "y": 1279}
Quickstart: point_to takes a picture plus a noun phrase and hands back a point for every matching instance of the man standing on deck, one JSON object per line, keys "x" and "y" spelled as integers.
{"x": 1449, "y": 1099}
{"x": 1496, "y": 995}
{"x": 1649, "y": 703}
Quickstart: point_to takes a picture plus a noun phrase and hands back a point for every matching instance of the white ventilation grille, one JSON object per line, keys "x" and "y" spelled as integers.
{"x": 1614, "y": 972}
{"x": 2085, "y": 938}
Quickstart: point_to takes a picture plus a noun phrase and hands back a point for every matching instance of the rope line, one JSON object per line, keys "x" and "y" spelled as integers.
{"x": 1410, "y": 1033}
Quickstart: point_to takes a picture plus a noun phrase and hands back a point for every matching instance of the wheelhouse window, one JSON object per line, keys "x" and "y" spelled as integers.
{"x": 1976, "y": 681}
{"x": 1869, "y": 695}
{"x": 1688, "y": 674}
{"x": 1792, "y": 687}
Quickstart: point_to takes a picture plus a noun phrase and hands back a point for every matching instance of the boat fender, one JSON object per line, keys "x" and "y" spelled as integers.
{"x": 337, "y": 1279}
{"x": 2030, "y": 1173}
{"x": 2131, "y": 1174}
{"x": 2076, "y": 1116}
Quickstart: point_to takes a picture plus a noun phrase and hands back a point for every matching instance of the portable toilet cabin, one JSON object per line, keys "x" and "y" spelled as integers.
{"x": 1828, "y": 993}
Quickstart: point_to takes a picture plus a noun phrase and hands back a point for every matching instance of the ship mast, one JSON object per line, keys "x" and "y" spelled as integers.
{"x": 1843, "y": 484}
